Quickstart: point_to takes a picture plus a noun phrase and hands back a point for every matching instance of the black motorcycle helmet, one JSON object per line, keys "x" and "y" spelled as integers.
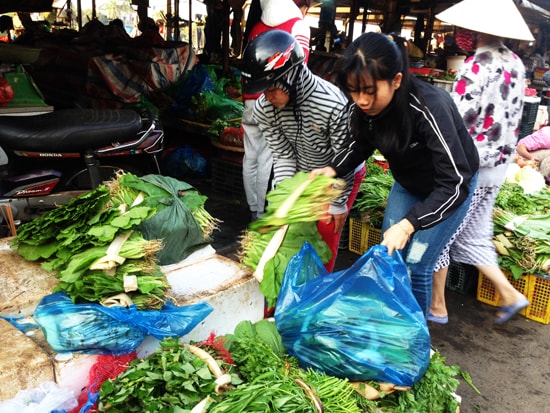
{"x": 267, "y": 58}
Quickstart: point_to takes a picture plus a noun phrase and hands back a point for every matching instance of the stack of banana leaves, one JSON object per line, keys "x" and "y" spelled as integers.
{"x": 522, "y": 230}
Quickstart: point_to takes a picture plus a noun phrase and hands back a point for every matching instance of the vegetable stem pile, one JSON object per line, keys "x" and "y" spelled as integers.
{"x": 373, "y": 195}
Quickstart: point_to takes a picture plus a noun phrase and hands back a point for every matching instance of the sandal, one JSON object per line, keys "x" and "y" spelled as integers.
{"x": 511, "y": 310}
{"x": 437, "y": 319}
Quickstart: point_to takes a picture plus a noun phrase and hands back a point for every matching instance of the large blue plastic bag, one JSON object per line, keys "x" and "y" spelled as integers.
{"x": 362, "y": 323}
{"x": 95, "y": 329}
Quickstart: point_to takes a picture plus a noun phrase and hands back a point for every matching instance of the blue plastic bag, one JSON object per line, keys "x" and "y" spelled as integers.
{"x": 183, "y": 162}
{"x": 362, "y": 323}
{"x": 95, "y": 329}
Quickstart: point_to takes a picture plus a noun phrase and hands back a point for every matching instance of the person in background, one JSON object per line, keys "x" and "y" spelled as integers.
{"x": 536, "y": 147}
{"x": 417, "y": 128}
{"x": 213, "y": 30}
{"x": 302, "y": 118}
{"x": 149, "y": 34}
{"x": 258, "y": 161}
{"x": 236, "y": 26}
{"x": 489, "y": 95}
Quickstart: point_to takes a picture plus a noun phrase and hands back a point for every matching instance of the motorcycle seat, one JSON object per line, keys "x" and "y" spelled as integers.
{"x": 69, "y": 130}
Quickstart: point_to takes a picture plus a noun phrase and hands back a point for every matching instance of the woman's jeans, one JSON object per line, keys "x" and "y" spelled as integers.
{"x": 422, "y": 251}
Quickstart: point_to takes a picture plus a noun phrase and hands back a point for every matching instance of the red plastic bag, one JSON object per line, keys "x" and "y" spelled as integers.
{"x": 6, "y": 92}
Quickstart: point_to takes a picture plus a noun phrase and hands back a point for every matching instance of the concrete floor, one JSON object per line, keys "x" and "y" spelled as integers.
{"x": 509, "y": 364}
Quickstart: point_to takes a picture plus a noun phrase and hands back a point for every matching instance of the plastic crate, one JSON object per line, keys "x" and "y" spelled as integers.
{"x": 444, "y": 84}
{"x": 529, "y": 116}
{"x": 539, "y": 298}
{"x": 487, "y": 294}
{"x": 362, "y": 236}
{"x": 461, "y": 278}
{"x": 344, "y": 237}
{"x": 227, "y": 179}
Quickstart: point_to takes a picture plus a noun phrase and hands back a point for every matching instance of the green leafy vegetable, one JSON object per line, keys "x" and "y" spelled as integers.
{"x": 253, "y": 245}
{"x": 170, "y": 380}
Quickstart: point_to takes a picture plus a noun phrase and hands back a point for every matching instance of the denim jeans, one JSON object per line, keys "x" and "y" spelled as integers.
{"x": 422, "y": 251}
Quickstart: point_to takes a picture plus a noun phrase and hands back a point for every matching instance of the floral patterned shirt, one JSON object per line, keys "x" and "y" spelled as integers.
{"x": 489, "y": 94}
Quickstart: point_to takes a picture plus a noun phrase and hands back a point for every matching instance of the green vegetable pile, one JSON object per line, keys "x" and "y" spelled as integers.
{"x": 209, "y": 106}
{"x": 219, "y": 125}
{"x": 522, "y": 230}
{"x": 173, "y": 379}
{"x": 263, "y": 379}
{"x": 373, "y": 195}
{"x": 523, "y": 242}
{"x": 512, "y": 197}
{"x": 96, "y": 246}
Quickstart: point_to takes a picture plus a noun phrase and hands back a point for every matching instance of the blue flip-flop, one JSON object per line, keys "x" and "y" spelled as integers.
{"x": 437, "y": 319}
{"x": 511, "y": 310}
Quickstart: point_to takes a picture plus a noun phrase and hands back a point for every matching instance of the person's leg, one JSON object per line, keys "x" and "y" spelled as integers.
{"x": 438, "y": 309}
{"x": 263, "y": 177}
{"x": 327, "y": 230}
{"x": 257, "y": 162}
{"x": 508, "y": 294}
{"x": 474, "y": 246}
{"x": 422, "y": 251}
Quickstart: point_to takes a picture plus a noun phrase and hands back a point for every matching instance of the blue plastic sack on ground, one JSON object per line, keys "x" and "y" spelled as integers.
{"x": 94, "y": 329}
{"x": 183, "y": 162}
{"x": 362, "y": 323}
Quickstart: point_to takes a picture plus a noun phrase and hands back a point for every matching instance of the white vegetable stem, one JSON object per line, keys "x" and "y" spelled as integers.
{"x": 286, "y": 206}
{"x": 111, "y": 258}
{"x": 270, "y": 251}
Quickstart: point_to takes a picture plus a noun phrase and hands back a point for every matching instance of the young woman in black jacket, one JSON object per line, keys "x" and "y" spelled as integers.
{"x": 418, "y": 129}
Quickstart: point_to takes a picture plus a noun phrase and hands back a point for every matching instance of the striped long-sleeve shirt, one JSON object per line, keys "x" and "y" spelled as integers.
{"x": 307, "y": 133}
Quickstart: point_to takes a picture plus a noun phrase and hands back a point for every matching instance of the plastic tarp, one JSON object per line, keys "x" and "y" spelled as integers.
{"x": 130, "y": 76}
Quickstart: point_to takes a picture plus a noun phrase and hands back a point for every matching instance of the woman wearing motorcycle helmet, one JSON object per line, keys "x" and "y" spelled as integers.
{"x": 303, "y": 119}
{"x": 287, "y": 15}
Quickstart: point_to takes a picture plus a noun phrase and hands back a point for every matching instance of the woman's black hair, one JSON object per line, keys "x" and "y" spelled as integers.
{"x": 381, "y": 57}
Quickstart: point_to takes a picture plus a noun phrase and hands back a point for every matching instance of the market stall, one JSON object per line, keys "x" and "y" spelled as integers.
{"x": 243, "y": 361}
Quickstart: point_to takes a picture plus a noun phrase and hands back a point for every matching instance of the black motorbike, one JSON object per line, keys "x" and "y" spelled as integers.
{"x": 49, "y": 158}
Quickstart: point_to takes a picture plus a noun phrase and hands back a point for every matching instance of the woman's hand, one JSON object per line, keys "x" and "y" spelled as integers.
{"x": 327, "y": 170}
{"x": 339, "y": 221}
{"x": 397, "y": 236}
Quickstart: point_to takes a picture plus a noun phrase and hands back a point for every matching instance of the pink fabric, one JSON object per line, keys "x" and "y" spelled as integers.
{"x": 537, "y": 140}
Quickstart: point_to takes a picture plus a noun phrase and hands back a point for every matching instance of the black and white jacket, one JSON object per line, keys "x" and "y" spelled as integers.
{"x": 436, "y": 163}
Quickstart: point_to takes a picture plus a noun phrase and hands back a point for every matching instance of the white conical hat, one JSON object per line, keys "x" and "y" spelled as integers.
{"x": 497, "y": 17}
